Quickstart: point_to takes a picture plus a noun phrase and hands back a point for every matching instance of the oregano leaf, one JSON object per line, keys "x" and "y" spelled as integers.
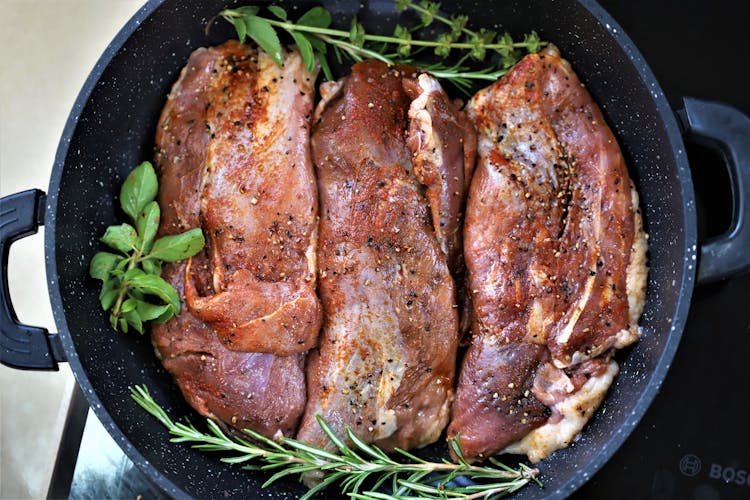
{"x": 102, "y": 264}
{"x": 147, "y": 225}
{"x": 305, "y": 50}
{"x": 241, "y": 28}
{"x": 264, "y": 35}
{"x": 122, "y": 237}
{"x": 317, "y": 17}
{"x": 178, "y": 246}
{"x": 139, "y": 188}
{"x": 278, "y": 12}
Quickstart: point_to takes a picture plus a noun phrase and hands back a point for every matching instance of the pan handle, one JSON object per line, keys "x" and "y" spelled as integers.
{"x": 23, "y": 346}
{"x": 726, "y": 129}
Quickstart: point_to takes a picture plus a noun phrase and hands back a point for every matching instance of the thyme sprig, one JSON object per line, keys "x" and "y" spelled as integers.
{"x": 312, "y": 33}
{"x": 363, "y": 471}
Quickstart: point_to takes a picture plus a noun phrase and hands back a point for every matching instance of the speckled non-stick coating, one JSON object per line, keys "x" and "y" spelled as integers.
{"x": 111, "y": 129}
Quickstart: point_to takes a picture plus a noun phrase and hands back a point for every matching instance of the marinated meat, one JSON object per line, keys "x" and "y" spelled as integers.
{"x": 386, "y": 361}
{"x": 444, "y": 146}
{"x": 556, "y": 260}
{"x": 252, "y": 390}
{"x": 258, "y": 207}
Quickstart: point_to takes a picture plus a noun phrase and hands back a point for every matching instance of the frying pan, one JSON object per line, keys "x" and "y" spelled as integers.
{"x": 111, "y": 127}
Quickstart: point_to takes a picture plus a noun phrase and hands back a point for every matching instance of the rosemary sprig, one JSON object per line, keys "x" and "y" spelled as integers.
{"x": 312, "y": 34}
{"x": 362, "y": 470}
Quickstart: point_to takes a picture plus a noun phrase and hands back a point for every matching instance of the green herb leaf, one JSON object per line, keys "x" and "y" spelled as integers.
{"x": 428, "y": 12}
{"x": 102, "y": 263}
{"x": 139, "y": 188}
{"x": 128, "y": 305}
{"x": 122, "y": 237}
{"x": 350, "y": 467}
{"x": 247, "y": 10}
{"x": 134, "y": 320}
{"x": 402, "y": 5}
{"x": 147, "y": 225}
{"x": 357, "y": 33}
{"x": 179, "y": 246}
{"x": 278, "y": 12}
{"x": 317, "y": 17}
{"x": 325, "y": 67}
{"x": 317, "y": 44}
{"x": 123, "y": 324}
{"x": 402, "y": 33}
{"x": 264, "y": 35}
{"x": 241, "y": 28}
{"x": 152, "y": 266}
{"x": 155, "y": 285}
{"x": 109, "y": 293}
{"x": 165, "y": 316}
{"x": 305, "y": 50}
{"x": 533, "y": 42}
{"x": 148, "y": 311}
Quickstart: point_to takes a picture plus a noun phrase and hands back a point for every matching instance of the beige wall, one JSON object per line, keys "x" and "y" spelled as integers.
{"x": 47, "y": 48}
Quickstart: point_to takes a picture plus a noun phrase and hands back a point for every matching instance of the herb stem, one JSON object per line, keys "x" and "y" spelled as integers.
{"x": 124, "y": 286}
{"x": 442, "y": 19}
{"x": 382, "y": 38}
{"x": 349, "y": 466}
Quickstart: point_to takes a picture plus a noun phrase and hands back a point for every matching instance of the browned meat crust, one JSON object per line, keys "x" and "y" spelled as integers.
{"x": 263, "y": 392}
{"x": 387, "y": 353}
{"x": 258, "y": 207}
{"x": 555, "y": 254}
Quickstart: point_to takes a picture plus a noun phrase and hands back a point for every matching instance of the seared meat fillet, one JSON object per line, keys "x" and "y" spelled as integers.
{"x": 387, "y": 353}
{"x": 556, "y": 260}
{"x": 244, "y": 390}
{"x": 263, "y": 392}
{"x": 258, "y": 207}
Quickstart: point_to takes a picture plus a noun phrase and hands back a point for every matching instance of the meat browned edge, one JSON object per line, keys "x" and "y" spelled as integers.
{"x": 556, "y": 259}
{"x": 220, "y": 166}
{"x": 387, "y": 355}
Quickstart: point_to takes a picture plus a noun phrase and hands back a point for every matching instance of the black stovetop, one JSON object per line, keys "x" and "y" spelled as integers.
{"x": 694, "y": 441}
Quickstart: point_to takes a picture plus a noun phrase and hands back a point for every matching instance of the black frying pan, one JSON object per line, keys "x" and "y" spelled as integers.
{"x": 111, "y": 129}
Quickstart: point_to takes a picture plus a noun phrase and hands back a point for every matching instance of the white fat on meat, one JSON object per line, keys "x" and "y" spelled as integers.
{"x": 569, "y": 414}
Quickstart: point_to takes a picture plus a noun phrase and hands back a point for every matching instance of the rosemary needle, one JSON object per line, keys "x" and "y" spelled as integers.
{"x": 363, "y": 471}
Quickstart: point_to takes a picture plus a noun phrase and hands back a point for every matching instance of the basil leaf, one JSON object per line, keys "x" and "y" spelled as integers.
{"x": 134, "y": 320}
{"x": 147, "y": 225}
{"x": 139, "y": 188}
{"x": 305, "y": 50}
{"x": 155, "y": 285}
{"x": 278, "y": 12}
{"x": 122, "y": 237}
{"x": 147, "y": 311}
{"x": 123, "y": 325}
{"x": 152, "y": 266}
{"x": 317, "y": 17}
{"x": 179, "y": 246}
{"x": 264, "y": 35}
{"x": 239, "y": 25}
{"x": 102, "y": 264}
